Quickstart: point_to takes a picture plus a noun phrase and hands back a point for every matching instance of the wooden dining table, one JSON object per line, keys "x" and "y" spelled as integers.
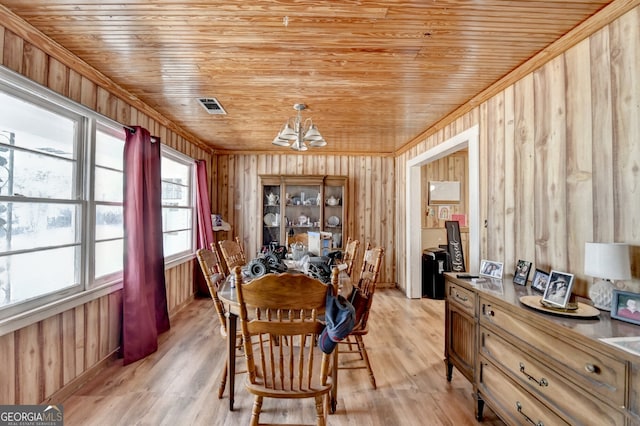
{"x": 229, "y": 297}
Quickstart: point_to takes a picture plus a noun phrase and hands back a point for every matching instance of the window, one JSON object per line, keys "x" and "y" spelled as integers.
{"x": 108, "y": 215}
{"x": 61, "y": 198}
{"x": 177, "y": 204}
{"x": 41, "y": 209}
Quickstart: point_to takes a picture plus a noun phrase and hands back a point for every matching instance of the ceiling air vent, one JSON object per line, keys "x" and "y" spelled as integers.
{"x": 212, "y": 106}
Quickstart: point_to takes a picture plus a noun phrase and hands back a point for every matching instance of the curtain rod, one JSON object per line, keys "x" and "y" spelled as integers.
{"x": 154, "y": 139}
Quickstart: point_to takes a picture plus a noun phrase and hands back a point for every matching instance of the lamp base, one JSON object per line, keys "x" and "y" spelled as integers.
{"x": 601, "y": 294}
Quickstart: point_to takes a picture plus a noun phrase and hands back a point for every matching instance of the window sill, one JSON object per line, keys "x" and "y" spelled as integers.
{"x": 40, "y": 313}
{"x": 173, "y": 262}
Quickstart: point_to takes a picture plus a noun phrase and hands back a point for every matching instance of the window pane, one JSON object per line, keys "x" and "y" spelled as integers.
{"x": 109, "y": 186}
{"x": 28, "y": 275}
{"x": 53, "y": 134}
{"x": 176, "y": 182}
{"x": 33, "y": 225}
{"x": 175, "y": 194}
{"x": 34, "y": 175}
{"x": 174, "y": 219}
{"x": 109, "y": 150}
{"x": 176, "y": 242}
{"x": 174, "y": 171}
{"x": 109, "y": 257}
{"x": 109, "y": 222}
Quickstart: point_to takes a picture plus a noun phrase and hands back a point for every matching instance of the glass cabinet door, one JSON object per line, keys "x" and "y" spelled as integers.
{"x": 271, "y": 214}
{"x": 334, "y": 213}
{"x": 303, "y": 208}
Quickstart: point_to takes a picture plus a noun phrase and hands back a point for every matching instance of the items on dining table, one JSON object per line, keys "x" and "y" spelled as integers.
{"x": 298, "y": 250}
{"x": 320, "y": 266}
{"x": 271, "y": 259}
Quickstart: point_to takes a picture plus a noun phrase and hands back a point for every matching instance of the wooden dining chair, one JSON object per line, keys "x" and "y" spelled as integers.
{"x": 279, "y": 319}
{"x": 232, "y": 253}
{"x": 350, "y": 253}
{"x": 361, "y": 298}
{"x": 212, "y": 271}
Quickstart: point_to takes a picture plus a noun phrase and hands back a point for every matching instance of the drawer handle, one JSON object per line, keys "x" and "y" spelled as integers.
{"x": 519, "y": 407}
{"x": 590, "y": 368}
{"x": 542, "y": 382}
{"x": 487, "y": 311}
{"x": 462, "y": 298}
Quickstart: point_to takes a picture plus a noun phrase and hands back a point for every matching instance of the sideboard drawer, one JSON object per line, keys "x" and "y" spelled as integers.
{"x": 596, "y": 371}
{"x": 537, "y": 378}
{"x": 461, "y": 297}
{"x": 512, "y": 402}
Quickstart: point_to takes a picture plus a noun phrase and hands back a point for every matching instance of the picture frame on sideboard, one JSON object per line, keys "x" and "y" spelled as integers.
{"x": 559, "y": 289}
{"x": 521, "y": 274}
{"x": 625, "y": 306}
{"x": 491, "y": 268}
{"x": 540, "y": 280}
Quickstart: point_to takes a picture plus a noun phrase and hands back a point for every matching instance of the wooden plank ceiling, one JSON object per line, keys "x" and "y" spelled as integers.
{"x": 374, "y": 74}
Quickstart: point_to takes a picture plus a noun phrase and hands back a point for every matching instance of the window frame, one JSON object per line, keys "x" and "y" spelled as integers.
{"x": 179, "y": 157}
{"x": 24, "y": 313}
{"x": 76, "y": 199}
{"x": 113, "y": 129}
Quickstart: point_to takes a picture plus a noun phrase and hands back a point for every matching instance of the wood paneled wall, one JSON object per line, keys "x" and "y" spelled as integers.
{"x": 370, "y": 200}
{"x": 42, "y": 358}
{"x": 559, "y": 157}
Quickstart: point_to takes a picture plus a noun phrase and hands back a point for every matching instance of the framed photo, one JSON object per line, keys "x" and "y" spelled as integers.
{"x": 625, "y": 306}
{"x": 443, "y": 212}
{"x": 559, "y": 289}
{"x": 490, "y": 268}
{"x": 540, "y": 280}
{"x": 521, "y": 275}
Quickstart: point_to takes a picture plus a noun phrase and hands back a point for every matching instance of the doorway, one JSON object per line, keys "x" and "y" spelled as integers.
{"x": 468, "y": 139}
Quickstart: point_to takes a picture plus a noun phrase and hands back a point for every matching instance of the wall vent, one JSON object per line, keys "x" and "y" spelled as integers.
{"x": 212, "y": 106}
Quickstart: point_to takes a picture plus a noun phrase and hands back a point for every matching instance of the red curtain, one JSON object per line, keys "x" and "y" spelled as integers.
{"x": 145, "y": 313}
{"x": 205, "y": 230}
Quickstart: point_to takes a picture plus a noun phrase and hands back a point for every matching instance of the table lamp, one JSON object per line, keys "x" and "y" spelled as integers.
{"x": 609, "y": 262}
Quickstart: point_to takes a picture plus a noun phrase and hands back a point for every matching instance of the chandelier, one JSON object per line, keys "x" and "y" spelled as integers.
{"x": 299, "y": 134}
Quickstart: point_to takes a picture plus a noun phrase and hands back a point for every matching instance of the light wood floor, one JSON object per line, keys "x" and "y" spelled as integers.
{"x": 178, "y": 384}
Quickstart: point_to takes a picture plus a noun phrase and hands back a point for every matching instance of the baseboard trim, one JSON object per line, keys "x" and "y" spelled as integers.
{"x": 70, "y": 388}
{"x": 75, "y": 384}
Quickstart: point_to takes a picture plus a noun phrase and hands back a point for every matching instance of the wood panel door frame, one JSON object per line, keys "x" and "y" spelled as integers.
{"x": 469, "y": 139}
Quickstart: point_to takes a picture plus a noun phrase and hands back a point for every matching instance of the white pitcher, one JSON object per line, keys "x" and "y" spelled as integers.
{"x": 272, "y": 199}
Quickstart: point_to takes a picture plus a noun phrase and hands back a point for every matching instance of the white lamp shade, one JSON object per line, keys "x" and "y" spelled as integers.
{"x": 280, "y": 142}
{"x": 299, "y": 146}
{"x": 313, "y": 134}
{"x": 607, "y": 260}
{"x": 318, "y": 143}
{"x": 288, "y": 132}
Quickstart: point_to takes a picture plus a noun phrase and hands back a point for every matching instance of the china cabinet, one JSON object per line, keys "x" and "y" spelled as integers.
{"x": 293, "y": 206}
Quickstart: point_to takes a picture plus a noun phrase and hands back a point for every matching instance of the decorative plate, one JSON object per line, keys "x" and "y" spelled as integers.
{"x": 333, "y": 221}
{"x": 269, "y": 219}
{"x": 583, "y": 310}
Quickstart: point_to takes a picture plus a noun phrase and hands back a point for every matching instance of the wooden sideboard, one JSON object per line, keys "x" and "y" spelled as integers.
{"x": 532, "y": 367}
